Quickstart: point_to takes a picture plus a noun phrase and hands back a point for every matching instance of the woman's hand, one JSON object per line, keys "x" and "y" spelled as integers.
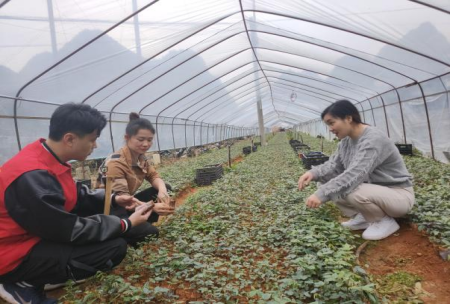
{"x": 313, "y": 201}
{"x": 163, "y": 209}
{"x": 127, "y": 201}
{"x": 141, "y": 214}
{"x": 304, "y": 180}
{"x": 163, "y": 197}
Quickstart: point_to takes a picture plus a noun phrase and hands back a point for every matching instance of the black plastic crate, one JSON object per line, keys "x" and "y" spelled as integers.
{"x": 313, "y": 159}
{"x": 258, "y": 144}
{"x": 208, "y": 174}
{"x": 300, "y": 146}
{"x": 247, "y": 150}
{"x": 294, "y": 142}
{"x": 405, "y": 149}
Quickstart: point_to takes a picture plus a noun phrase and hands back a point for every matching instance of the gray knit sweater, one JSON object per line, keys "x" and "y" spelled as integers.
{"x": 372, "y": 158}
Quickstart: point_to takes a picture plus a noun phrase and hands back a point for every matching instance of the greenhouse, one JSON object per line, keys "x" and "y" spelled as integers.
{"x": 242, "y": 99}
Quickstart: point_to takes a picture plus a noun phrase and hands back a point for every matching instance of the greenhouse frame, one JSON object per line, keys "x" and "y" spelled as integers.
{"x": 200, "y": 71}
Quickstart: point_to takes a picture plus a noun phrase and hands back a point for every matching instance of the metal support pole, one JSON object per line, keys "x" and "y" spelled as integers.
{"x": 428, "y": 121}
{"x": 137, "y": 33}
{"x": 402, "y": 117}
{"x": 261, "y": 125}
{"x": 52, "y": 28}
{"x": 385, "y": 113}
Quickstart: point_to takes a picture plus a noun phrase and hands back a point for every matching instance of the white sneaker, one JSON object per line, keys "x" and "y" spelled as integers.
{"x": 380, "y": 230}
{"x": 356, "y": 223}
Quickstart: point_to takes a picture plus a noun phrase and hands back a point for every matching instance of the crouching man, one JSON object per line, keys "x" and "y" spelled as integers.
{"x": 51, "y": 229}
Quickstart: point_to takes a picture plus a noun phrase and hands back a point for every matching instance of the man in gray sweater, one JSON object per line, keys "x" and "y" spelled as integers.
{"x": 366, "y": 177}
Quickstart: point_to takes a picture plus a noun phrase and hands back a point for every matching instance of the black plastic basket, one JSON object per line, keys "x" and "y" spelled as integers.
{"x": 208, "y": 174}
{"x": 405, "y": 149}
{"x": 300, "y": 146}
{"x": 247, "y": 150}
{"x": 313, "y": 159}
{"x": 254, "y": 148}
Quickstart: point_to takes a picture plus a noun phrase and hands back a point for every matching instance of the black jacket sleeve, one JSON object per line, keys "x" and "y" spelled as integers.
{"x": 89, "y": 202}
{"x": 36, "y": 202}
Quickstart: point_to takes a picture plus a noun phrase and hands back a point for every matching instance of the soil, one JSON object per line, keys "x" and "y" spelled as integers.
{"x": 411, "y": 251}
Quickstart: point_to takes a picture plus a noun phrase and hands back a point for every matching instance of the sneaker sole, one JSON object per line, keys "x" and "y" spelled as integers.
{"x": 7, "y": 296}
{"x": 381, "y": 238}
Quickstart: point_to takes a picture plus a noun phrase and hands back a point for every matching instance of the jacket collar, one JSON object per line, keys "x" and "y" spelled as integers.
{"x": 50, "y": 158}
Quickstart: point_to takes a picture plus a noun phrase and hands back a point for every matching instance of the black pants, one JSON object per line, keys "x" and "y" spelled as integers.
{"x": 139, "y": 233}
{"x": 53, "y": 263}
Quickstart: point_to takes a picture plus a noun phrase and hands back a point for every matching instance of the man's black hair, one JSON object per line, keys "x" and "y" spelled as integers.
{"x": 75, "y": 118}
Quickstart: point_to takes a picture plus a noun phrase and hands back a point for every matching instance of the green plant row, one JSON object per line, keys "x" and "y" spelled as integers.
{"x": 247, "y": 239}
{"x": 183, "y": 172}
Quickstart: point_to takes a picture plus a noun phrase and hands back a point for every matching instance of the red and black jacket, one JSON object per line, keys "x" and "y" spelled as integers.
{"x": 40, "y": 200}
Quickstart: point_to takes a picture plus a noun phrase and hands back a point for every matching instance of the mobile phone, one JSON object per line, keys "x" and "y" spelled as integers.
{"x": 149, "y": 206}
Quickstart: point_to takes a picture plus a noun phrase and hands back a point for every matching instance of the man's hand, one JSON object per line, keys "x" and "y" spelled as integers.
{"x": 304, "y": 180}
{"x": 313, "y": 201}
{"x": 141, "y": 214}
{"x": 163, "y": 209}
{"x": 127, "y": 201}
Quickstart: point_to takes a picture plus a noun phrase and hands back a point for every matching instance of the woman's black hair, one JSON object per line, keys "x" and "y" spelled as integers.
{"x": 136, "y": 123}
{"x": 341, "y": 109}
{"x": 80, "y": 119}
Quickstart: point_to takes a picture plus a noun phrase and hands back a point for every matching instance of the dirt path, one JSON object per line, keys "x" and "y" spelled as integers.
{"x": 410, "y": 251}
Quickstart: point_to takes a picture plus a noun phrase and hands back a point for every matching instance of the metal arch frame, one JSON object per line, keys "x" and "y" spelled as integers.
{"x": 189, "y": 79}
{"x": 280, "y": 86}
{"x": 354, "y": 71}
{"x": 293, "y": 75}
{"x": 430, "y": 6}
{"x": 296, "y": 119}
{"x": 299, "y": 83}
{"x": 224, "y": 101}
{"x": 313, "y": 72}
{"x": 222, "y": 87}
{"x": 313, "y": 79}
{"x": 3, "y": 3}
{"x": 293, "y": 87}
{"x": 175, "y": 117}
{"x": 244, "y": 106}
{"x": 340, "y": 51}
{"x": 260, "y": 66}
{"x": 253, "y": 50}
{"x": 242, "y": 11}
{"x": 298, "y": 105}
{"x": 220, "y": 62}
{"x": 351, "y": 32}
{"x": 245, "y": 91}
{"x": 247, "y": 106}
{"x": 359, "y": 103}
{"x": 67, "y": 57}
{"x": 159, "y": 53}
{"x": 217, "y": 91}
{"x": 224, "y": 104}
{"x": 237, "y": 99}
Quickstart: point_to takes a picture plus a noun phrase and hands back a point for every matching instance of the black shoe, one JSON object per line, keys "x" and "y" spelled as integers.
{"x": 20, "y": 293}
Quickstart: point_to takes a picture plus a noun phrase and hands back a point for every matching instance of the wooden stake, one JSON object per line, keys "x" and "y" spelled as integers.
{"x": 230, "y": 158}
{"x": 108, "y": 192}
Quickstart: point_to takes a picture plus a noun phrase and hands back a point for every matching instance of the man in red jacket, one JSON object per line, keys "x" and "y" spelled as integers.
{"x": 51, "y": 229}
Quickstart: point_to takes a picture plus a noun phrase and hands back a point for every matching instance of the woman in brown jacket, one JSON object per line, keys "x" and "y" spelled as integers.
{"x": 129, "y": 167}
